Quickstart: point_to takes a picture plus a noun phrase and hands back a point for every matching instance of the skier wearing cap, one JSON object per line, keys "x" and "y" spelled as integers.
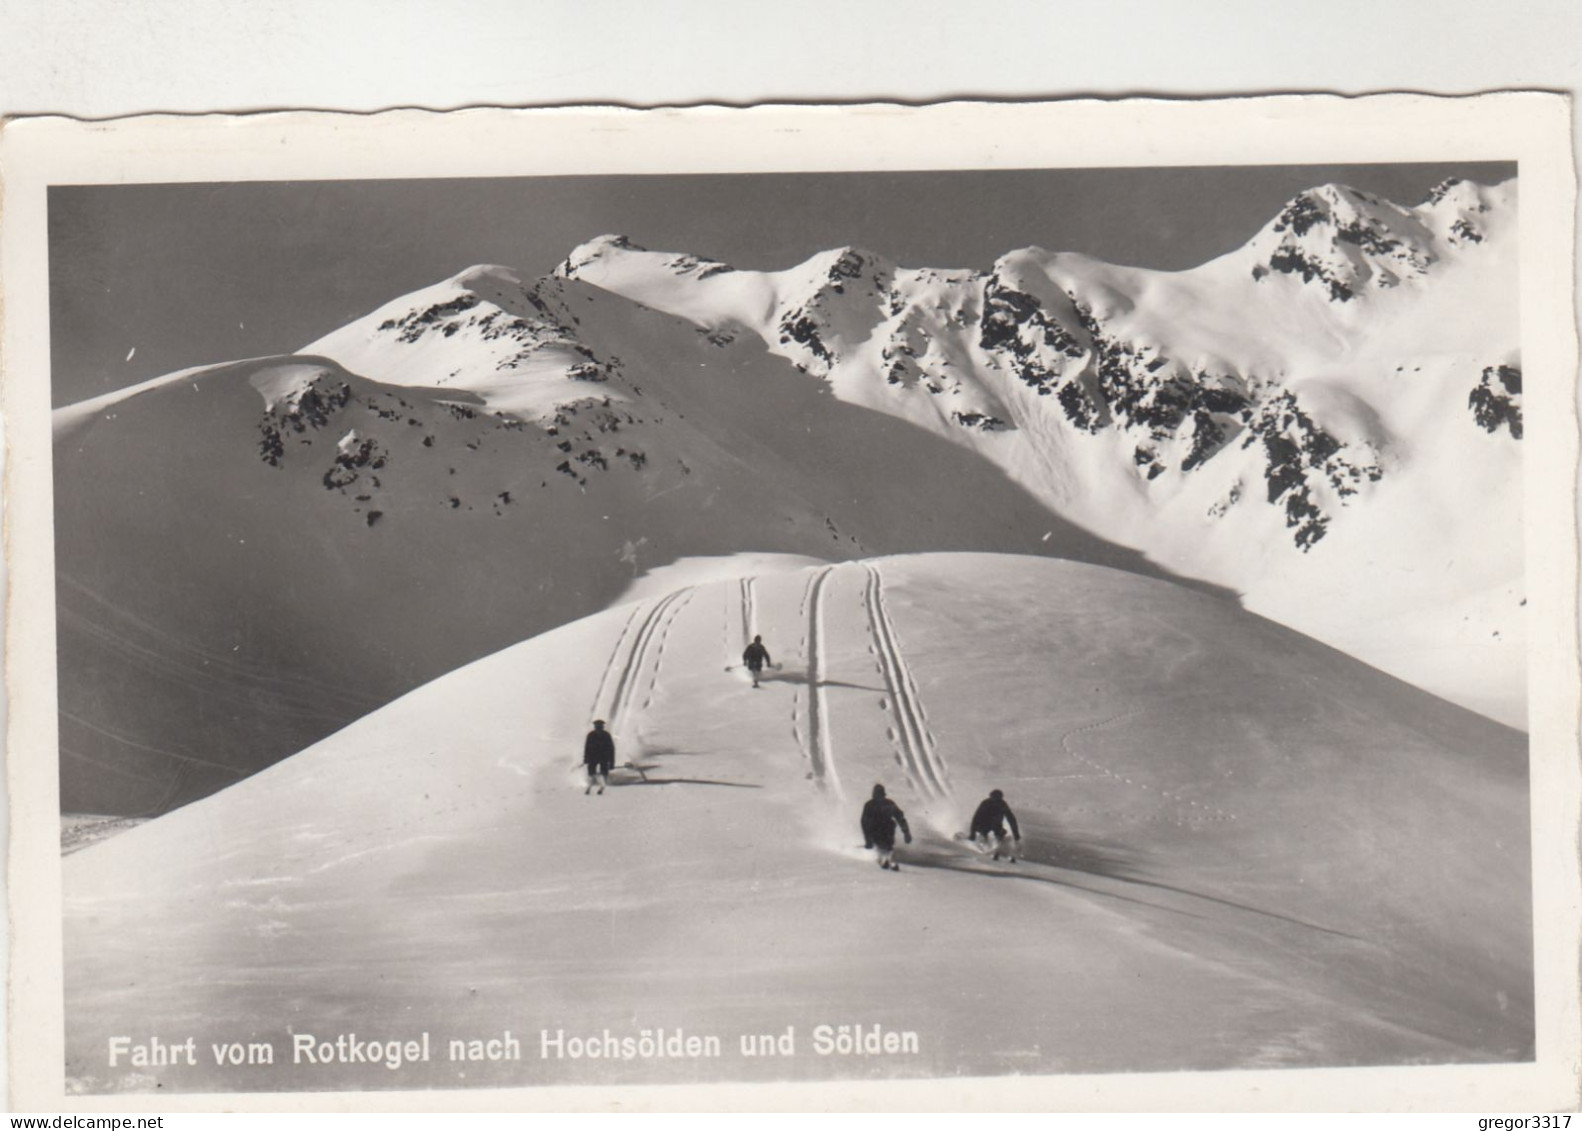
{"x": 988, "y": 825}
{"x": 756, "y": 657}
{"x": 598, "y": 754}
{"x": 880, "y": 816}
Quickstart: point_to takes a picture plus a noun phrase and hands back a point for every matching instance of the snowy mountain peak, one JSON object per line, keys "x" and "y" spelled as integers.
{"x": 593, "y": 250}
{"x": 488, "y": 280}
{"x": 832, "y": 302}
{"x": 840, "y": 265}
{"x": 1461, "y": 212}
{"x": 483, "y": 331}
{"x": 1345, "y": 242}
{"x": 487, "y": 275}
{"x": 1454, "y": 192}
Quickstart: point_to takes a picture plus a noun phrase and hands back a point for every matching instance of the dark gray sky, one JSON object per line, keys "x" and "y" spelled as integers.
{"x": 197, "y": 273}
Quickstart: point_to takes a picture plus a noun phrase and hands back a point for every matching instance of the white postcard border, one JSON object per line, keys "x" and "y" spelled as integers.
{"x": 1530, "y": 128}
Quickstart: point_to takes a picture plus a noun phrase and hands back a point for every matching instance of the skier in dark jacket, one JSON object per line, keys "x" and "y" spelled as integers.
{"x": 756, "y": 657}
{"x": 880, "y": 816}
{"x": 988, "y": 825}
{"x": 598, "y": 754}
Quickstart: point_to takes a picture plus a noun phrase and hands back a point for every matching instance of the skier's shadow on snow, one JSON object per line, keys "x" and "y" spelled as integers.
{"x": 1099, "y": 859}
{"x": 1046, "y": 844}
{"x": 801, "y": 677}
{"x": 1048, "y": 847}
{"x": 665, "y": 752}
{"x": 644, "y": 770}
{"x": 684, "y": 781}
{"x": 950, "y": 859}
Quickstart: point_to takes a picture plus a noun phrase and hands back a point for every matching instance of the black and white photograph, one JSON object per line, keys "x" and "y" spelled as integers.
{"x": 1004, "y": 614}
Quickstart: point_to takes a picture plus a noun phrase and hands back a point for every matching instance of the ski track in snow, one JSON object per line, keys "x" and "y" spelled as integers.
{"x": 631, "y": 671}
{"x": 819, "y": 751}
{"x": 1213, "y": 812}
{"x": 807, "y": 593}
{"x": 749, "y": 609}
{"x": 609, "y": 665}
{"x": 796, "y": 694}
{"x": 921, "y": 761}
{"x": 666, "y": 623}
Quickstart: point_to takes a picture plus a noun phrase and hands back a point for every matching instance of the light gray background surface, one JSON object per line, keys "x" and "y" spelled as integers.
{"x": 101, "y": 58}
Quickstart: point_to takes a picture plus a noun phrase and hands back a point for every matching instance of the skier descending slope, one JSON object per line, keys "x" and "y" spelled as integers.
{"x": 988, "y": 825}
{"x": 880, "y": 816}
{"x": 598, "y": 754}
{"x": 756, "y": 657}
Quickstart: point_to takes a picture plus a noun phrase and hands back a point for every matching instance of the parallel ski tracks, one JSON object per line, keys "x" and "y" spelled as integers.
{"x": 820, "y": 752}
{"x": 920, "y": 757}
{"x": 664, "y": 626}
{"x": 609, "y": 665}
{"x": 749, "y": 608}
{"x": 639, "y": 651}
{"x": 660, "y": 615}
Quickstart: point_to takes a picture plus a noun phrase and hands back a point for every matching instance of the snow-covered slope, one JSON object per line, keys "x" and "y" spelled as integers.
{"x": 251, "y": 556}
{"x": 1326, "y": 421}
{"x": 1242, "y": 849}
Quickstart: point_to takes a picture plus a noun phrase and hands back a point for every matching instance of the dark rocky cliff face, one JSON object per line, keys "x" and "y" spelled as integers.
{"x": 1496, "y": 400}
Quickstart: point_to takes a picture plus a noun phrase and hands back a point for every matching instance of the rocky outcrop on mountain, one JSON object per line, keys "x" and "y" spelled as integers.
{"x": 847, "y": 291}
{"x": 392, "y": 445}
{"x": 1496, "y": 400}
{"x": 1037, "y": 344}
{"x": 1308, "y": 470}
{"x": 1175, "y": 419}
{"x": 311, "y": 405}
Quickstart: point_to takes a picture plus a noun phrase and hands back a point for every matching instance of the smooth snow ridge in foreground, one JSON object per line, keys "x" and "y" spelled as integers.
{"x": 1243, "y": 849}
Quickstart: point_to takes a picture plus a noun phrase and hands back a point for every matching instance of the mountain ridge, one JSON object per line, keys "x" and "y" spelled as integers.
{"x": 1272, "y": 389}
{"x": 554, "y": 439}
